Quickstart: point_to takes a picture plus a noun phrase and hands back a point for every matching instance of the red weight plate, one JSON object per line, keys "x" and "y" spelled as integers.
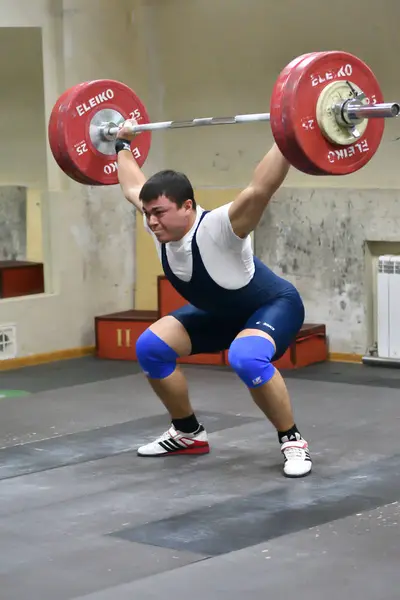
{"x": 277, "y": 122}
{"x": 65, "y": 154}
{"x": 52, "y": 133}
{"x": 89, "y": 105}
{"x": 56, "y": 142}
{"x": 54, "y": 139}
{"x": 300, "y": 97}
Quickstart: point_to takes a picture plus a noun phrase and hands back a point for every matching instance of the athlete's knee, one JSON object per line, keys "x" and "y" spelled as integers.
{"x": 156, "y": 358}
{"x": 250, "y": 357}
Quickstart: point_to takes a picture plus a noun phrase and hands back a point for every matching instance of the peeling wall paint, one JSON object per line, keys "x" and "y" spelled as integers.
{"x": 12, "y": 223}
{"x": 317, "y": 239}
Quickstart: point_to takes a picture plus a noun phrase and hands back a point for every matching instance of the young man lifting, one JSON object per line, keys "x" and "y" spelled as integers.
{"x": 234, "y": 300}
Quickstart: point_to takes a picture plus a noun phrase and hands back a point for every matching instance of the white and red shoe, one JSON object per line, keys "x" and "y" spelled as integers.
{"x": 177, "y": 442}
{"x": 297, "y": 459}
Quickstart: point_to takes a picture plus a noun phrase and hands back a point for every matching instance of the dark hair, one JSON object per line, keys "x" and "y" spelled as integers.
{"x": 172, "y": 184}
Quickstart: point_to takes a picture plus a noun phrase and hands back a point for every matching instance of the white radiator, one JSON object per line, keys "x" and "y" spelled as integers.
{"x": 388, "y": 305}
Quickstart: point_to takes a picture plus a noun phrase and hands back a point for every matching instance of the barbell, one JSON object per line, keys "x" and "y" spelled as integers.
{"x": 326, "y": 115}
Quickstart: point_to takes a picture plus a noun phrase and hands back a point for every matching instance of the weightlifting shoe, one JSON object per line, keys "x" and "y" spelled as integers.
{"x": 297, "y": 460}
{"x": 177, "y": 442}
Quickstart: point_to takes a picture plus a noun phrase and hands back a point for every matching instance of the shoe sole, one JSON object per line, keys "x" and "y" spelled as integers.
{"x": 297, "y": 476}
{"x": 192, "y": 451}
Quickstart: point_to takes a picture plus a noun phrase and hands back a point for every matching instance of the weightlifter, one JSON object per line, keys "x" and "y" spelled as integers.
{"x": 234, "y": 300}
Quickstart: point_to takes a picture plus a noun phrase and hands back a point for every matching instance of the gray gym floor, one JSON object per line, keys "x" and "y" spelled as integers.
{"x": 81, "y": 516}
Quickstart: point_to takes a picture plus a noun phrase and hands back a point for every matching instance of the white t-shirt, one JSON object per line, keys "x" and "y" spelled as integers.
{"x": 227, "y": 258}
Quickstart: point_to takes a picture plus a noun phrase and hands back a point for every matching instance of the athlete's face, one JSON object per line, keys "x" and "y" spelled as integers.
{"x": 168, "y": 222}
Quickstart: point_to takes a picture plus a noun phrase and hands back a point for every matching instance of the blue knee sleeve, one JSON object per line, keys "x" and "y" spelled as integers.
{"x": 250, "y": 357}
{"x": 157, "y": 359}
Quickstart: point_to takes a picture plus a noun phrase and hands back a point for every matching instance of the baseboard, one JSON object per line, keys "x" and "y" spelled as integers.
{"x": 48, "y": 357}
{"x": 38, "y": 359}
{"x": 347, "y": 358}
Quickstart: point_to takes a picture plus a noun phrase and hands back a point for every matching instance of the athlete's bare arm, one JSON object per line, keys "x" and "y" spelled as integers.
{"x": 130, "y": 176}
{"x": 246, "y": 210}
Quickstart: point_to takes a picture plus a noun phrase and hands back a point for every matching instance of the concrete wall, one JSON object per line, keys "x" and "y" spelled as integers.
{"x": 12, "y": 223}
{"x": 185, "y": 59}
{"x": 88, "y": 233}
{"x": 219, "y": 58}
{"x": 224, "y": 57}
{"x": 327, "y": 242}
{"x": 22, "y": 123}
{"x": 22, "y": 117}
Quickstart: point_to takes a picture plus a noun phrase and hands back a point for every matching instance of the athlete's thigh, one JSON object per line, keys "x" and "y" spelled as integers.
{"x": 281, "y": 319}
{"x": 173, "y": 333}
{"x": 207, "y": 332}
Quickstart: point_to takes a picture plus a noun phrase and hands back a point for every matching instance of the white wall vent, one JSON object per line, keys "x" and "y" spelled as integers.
{"x": 8, "y": 342}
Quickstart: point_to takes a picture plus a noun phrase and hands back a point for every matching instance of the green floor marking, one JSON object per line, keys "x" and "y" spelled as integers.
{"x": 13, "y": 393}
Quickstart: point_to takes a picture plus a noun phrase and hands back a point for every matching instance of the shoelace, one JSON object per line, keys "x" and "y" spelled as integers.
{"x": 294, "y": 453}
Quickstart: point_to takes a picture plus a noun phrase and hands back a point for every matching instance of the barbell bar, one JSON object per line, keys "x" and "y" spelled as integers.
{"x": 352, "y": 113}
{"x": 112, "y": 130}
{"x": 326, "y": 113}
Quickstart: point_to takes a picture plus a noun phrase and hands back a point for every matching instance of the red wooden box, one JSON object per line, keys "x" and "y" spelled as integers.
{"x": 116, "y": 334}
{"x": 20, "y": 278}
